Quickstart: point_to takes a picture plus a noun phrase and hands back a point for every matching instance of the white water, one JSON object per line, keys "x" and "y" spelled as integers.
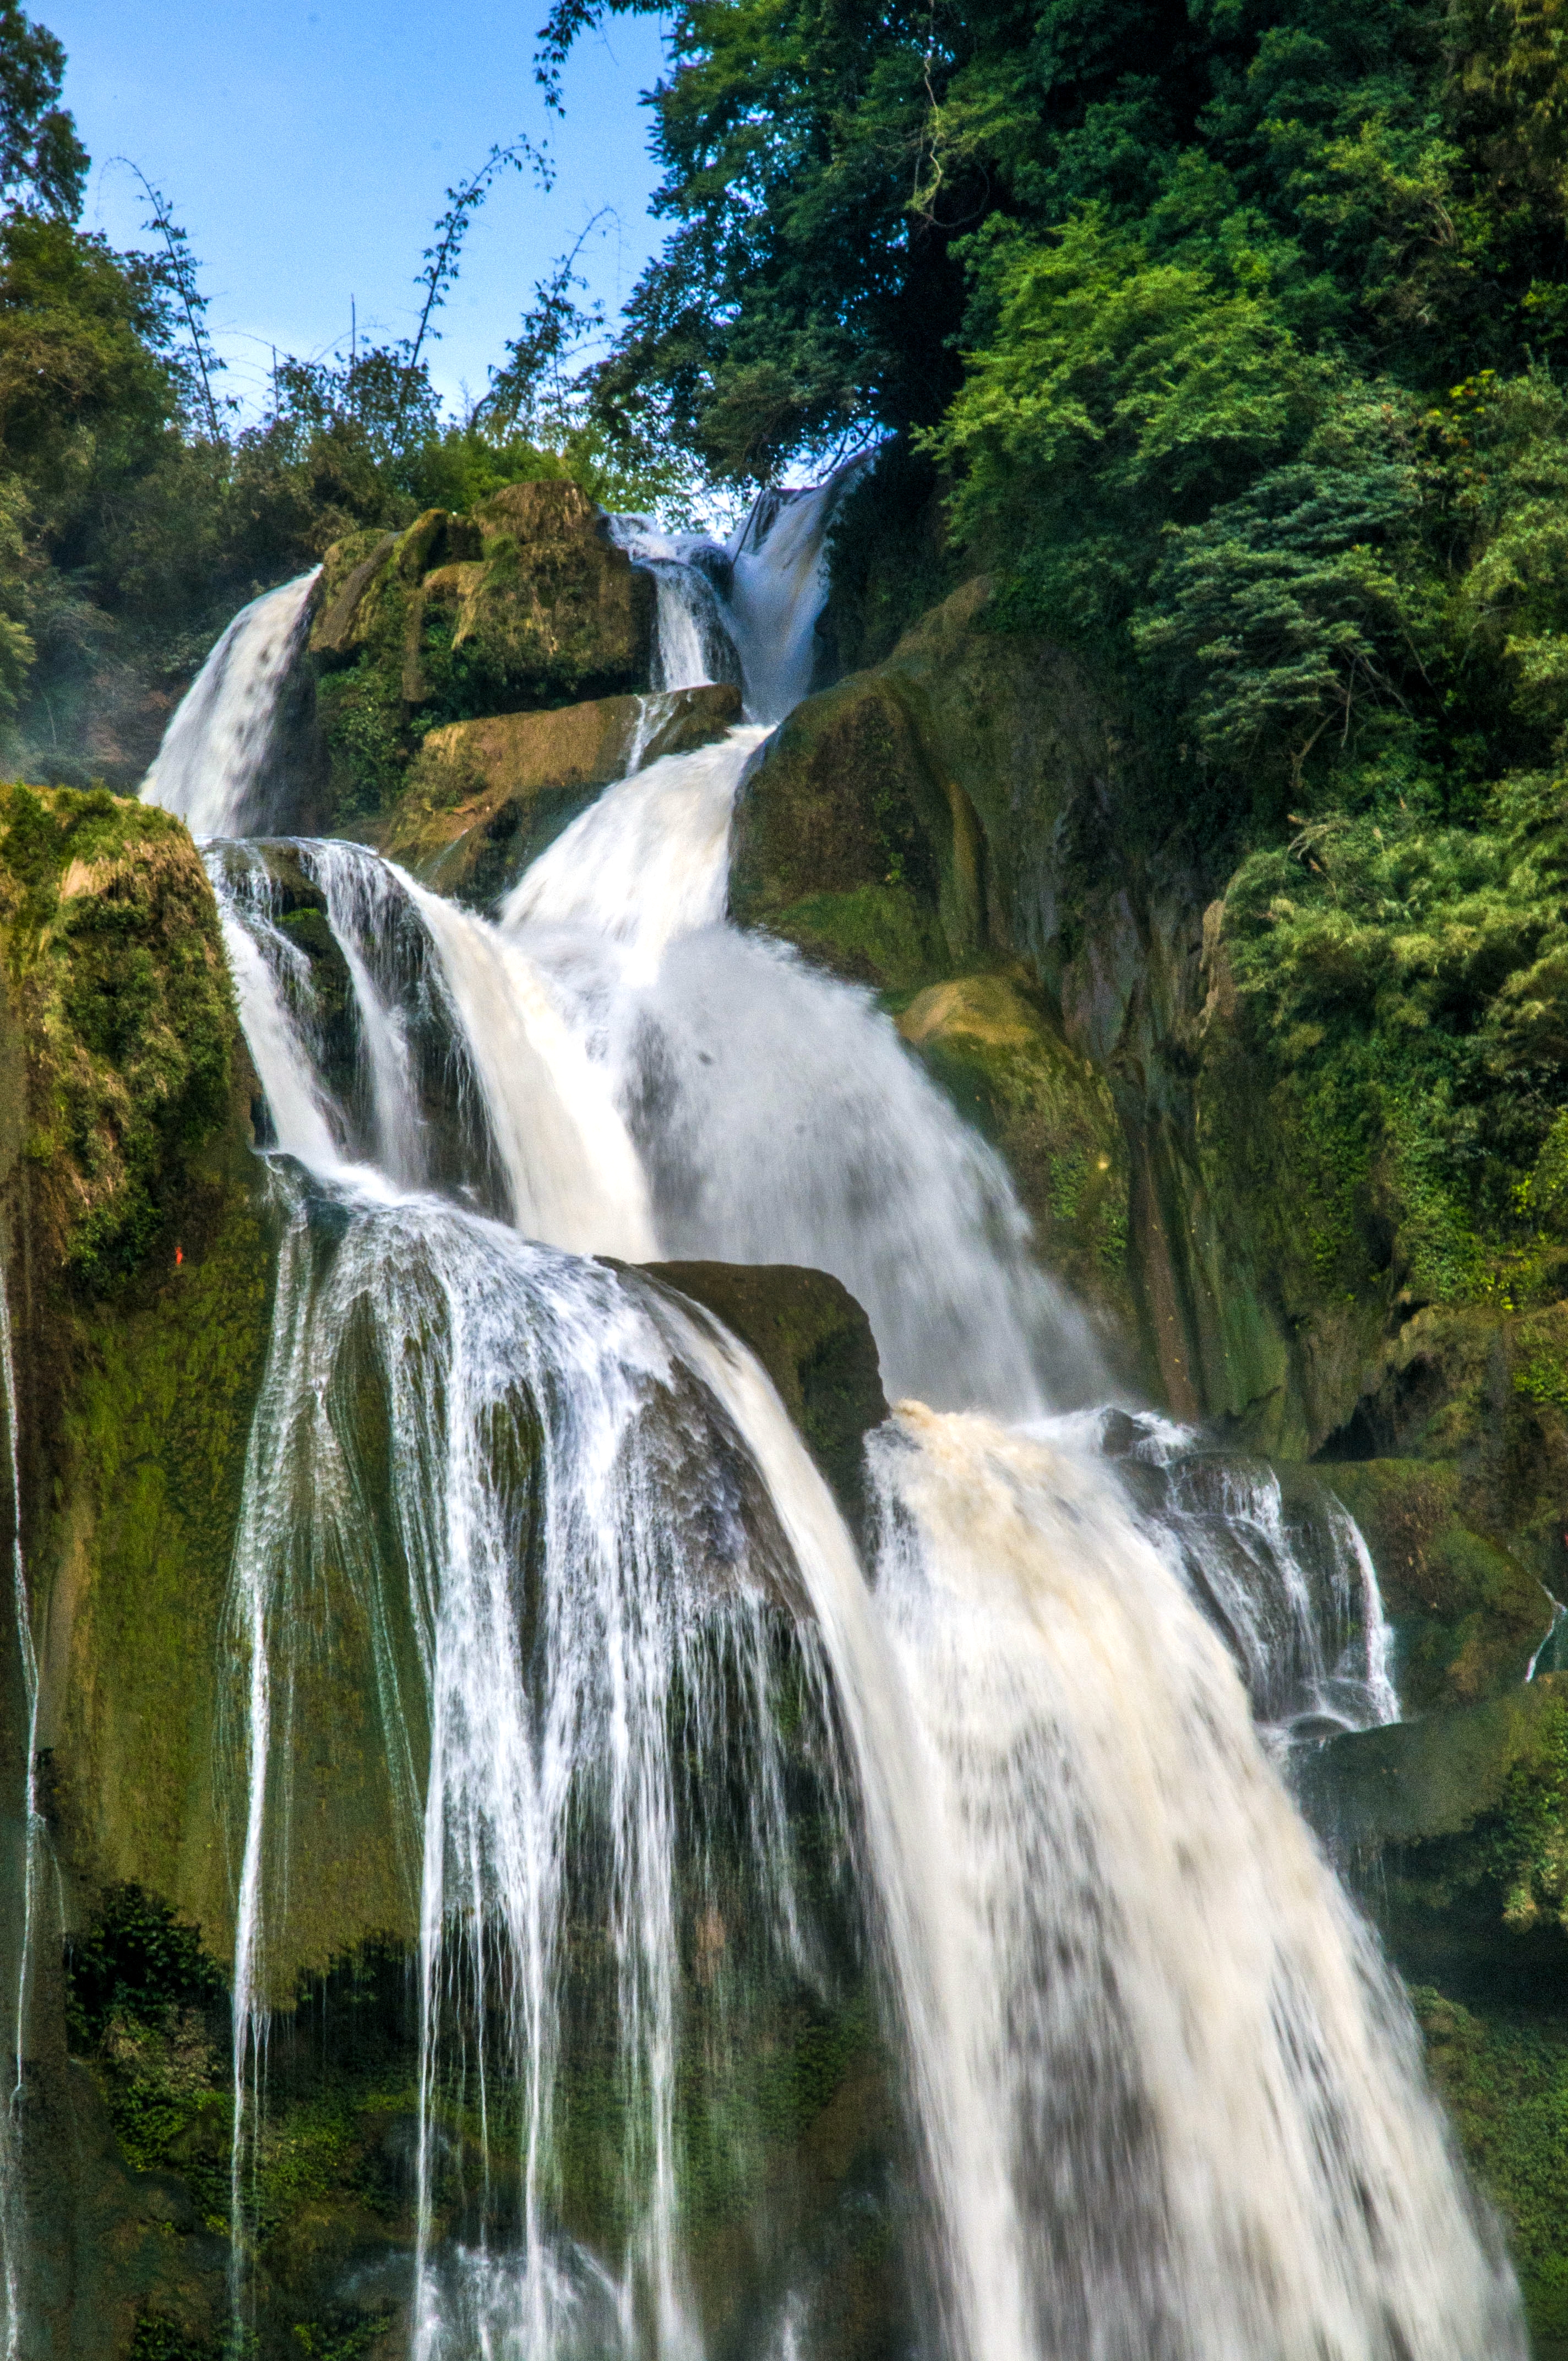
{"x": 1300, "y": 1608}
{"x": 1168, "y": 2101}
{"x": 216, "y": 745}
{"x": 749, "y": 607}
{"x": 1191, "y": 2116}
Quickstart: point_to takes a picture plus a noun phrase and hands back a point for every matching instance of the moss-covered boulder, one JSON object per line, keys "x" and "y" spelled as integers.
{"x": 989, "y": 1041}
{"x": 485, "y": 796}
{"x": 838, "y": 840}
{"x": 816, "y": 1343}
{"x": 524, "y": 603}
{"x": 547, "y": 607}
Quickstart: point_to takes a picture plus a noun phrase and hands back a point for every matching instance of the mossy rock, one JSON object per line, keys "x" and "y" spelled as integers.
{"x": 989, "y": 1041}
{"x": 1477, "y": 1384}
{"x": 1467, "y": 1616}
{"x": 816, "y": 1343}
{"x": 1456, "y": 1832}
{"x": 840, "y": 837}
{"x": 114, "y": 960}
{"x": 547, "y": 608}
{"x": 1503, "y": 2076}
{"x": 485, "y": 796}
{"x": 525, "y": 603}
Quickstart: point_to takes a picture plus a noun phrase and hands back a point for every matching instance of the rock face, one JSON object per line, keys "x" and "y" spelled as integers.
{"x": 987, "y": 1040}
{"x": 973, "y": 783}
{"x": 523, "y": 604}
{"x": 485, "y": 796}
{"x": 1468, "y": 1615}
{"x": 139, "y": 1256}
{"x": 137, "y": 1278}
{"x": 817, "y": 1346}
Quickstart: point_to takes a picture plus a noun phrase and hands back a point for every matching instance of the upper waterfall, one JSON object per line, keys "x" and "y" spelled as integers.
{"x": 747, "y": 607}
{"x": 211, "y": 766}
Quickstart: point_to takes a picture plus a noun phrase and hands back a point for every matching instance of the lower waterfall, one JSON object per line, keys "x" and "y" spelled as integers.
{"x": 676, "y": 1782}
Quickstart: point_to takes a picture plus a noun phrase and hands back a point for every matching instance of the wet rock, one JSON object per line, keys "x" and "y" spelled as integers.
{"x": 485, "y": 796}
{"x": 839, "y": 838}
{"x": 1467, "y": 1615}
{"x": 816, "y": 1343}
{"x": 1453, "y": 1831}
{"x": 1442, "y": 1775}
{"x": 990, "y": 1042}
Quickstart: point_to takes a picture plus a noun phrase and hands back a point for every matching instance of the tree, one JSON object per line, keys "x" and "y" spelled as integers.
{"x": 42, "y": 162}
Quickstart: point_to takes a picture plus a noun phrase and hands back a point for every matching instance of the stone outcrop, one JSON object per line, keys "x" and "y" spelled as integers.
{"x": 485, "y": 796}
{"x": 817, "y": 1346}
{"x": 1468, "y": 1614}
{"x": 988, "y": 1040}
{"x": 137, "y": 1267}
{"x": 524, "y": 603}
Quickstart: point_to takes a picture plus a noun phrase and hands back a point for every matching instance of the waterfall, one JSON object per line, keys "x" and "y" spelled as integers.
{"x": 746, "y": 609}
{"x": 211, "y": 766}
{"x": 662, "y": 1774}
{"x": 586, "y": 1606}
{"x": 1293, "y": 1593}
{"x": 1189, "y": 2116}
{"x": 691, "y": 642}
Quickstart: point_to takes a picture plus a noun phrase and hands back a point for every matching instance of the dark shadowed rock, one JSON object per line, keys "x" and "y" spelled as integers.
{"x": 817, "y": 1346}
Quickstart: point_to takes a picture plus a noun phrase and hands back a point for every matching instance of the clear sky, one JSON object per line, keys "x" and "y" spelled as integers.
{"x": 306, "y": 147}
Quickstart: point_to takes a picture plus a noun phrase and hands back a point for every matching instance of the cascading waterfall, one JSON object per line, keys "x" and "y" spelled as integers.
{"x": 1191, "y": 2121}
{"x": 745, "y": 609}
{"x": 1160, "y": 2098}
{"x": 215, "y": 750}
{"x": 1294, "y": 1596}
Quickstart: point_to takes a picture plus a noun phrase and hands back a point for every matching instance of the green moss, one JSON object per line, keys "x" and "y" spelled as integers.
{"x": 990, "y": 1043}
{"x": 1504, "y": 2079}
{"x": 1467, "y": 1616}
{"x": 1542, "y": 1375}
{"x": 881, "y": 935}
{"x": 367, "y": 745}
{"x": 115, "y": 958}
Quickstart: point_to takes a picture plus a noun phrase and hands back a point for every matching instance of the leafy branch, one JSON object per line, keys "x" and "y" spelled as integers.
{"x": 181, "y": 267}
{"x": 442, "y": 260}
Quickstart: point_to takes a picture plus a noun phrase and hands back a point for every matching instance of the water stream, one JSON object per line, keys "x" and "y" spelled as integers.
{"x": 662, "y": 1768}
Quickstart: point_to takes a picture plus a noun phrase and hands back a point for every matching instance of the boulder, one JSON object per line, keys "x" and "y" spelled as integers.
{"x": 525, "y": 603}
{"x": 1415, "y": 1780}
{"x": 1453, "y": 1832}
{"x": 485, "y": 796}
{"x": 839, "y": 838}
{"x": 990, "y": 1042}
{"x": 548, "y": 607}
{"x": 817, "y": 1346}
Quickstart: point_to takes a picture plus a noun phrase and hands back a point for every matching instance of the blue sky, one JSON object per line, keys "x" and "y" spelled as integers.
{"x": 306, "y": 147}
